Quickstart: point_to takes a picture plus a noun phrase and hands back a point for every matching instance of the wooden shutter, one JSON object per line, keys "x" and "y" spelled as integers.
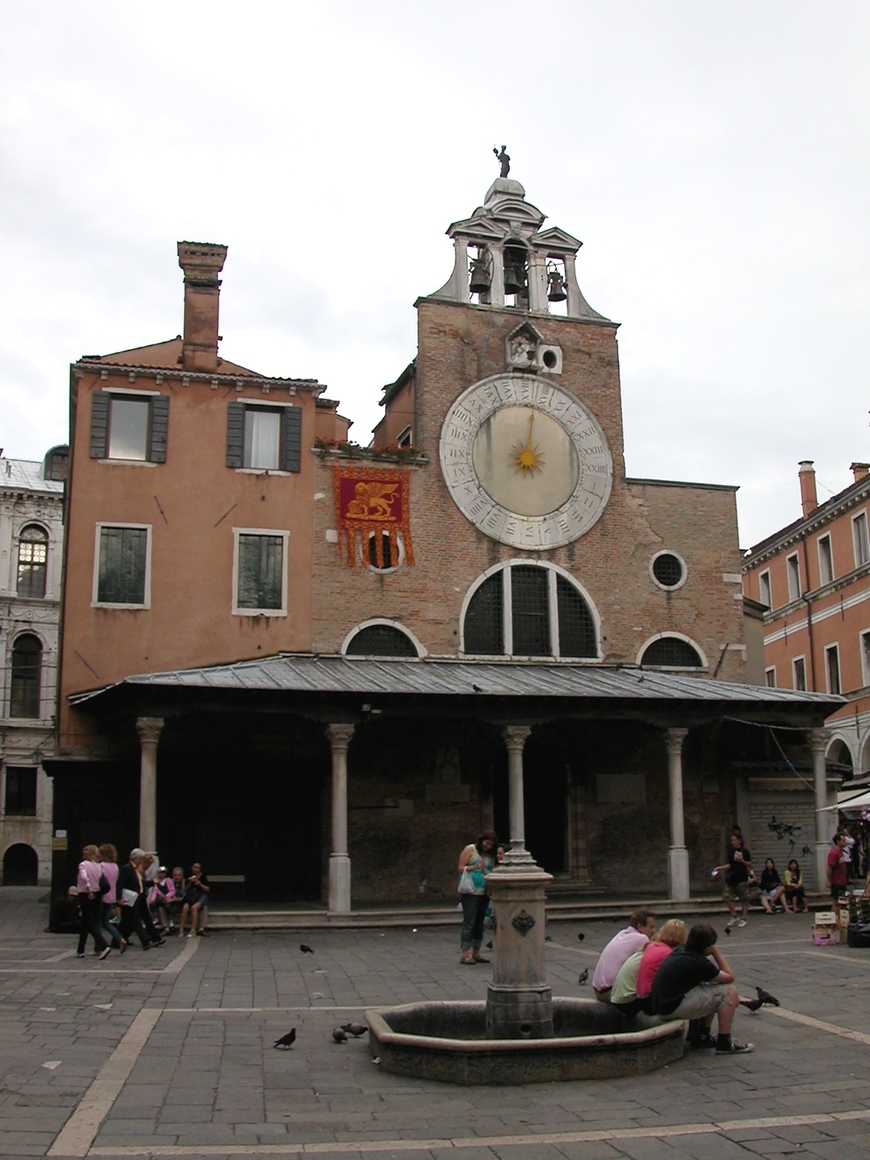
{"x": 100, "y": 401}
{"x": 159, "y": 429}
{"x": 235, "y": 434}
{"x": 291, "y": 439}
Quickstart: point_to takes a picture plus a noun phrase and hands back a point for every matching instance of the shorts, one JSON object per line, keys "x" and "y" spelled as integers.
{"x": 739, "y": 892}
{"x": 703, "y": 1000}
{"x": 837, "y": 892}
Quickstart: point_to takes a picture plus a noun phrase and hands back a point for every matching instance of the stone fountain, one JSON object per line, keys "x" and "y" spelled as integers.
{"x": 520, "y": 1034}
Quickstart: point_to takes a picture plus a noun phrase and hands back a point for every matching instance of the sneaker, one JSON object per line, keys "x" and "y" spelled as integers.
{"x": 732, "y": 1047}
{"x": 80, "y": 954}
{"x": 204, "y": 933}
{"x": 730, "y": 922}
{"x": 742, "y": 922}
{"x": 105, "y": 954}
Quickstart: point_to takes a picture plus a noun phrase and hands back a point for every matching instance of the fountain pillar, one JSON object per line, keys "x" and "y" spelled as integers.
{"x": 519, "y": 1001}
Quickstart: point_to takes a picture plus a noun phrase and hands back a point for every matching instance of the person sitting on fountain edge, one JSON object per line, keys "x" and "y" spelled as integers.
{"x": 695, "y": 982}
{"x": 641, "y": 927}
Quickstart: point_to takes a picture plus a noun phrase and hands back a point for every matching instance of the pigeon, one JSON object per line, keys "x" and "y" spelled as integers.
{"x": 751, "y": 1005}
{"x": 339, "y": 1035}
{"x": 728, "y": 930}
{"x": 766, "y": 997}
{"x": 286, "y": 1040}
{"x": 354, "y": 1029}
{"x": 306, "y": 950}
{"x": 477, "y": 688}
{"x": 581, "y": 936}
{"x": 584, "y": 977}
{"x": 489, "y": 945}
{"x": 547, "y": 938}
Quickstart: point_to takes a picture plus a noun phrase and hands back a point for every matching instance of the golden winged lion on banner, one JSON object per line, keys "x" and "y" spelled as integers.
{"x": 373, "y": 501}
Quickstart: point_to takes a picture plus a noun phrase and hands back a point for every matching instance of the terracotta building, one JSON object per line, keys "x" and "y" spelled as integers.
{"x": 31, "y": 541}
{"x": 321, "y": 668}
{"x": 813, "y": 577}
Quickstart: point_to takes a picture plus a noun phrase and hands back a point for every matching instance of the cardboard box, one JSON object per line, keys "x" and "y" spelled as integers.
{"x": 826, "y": 929}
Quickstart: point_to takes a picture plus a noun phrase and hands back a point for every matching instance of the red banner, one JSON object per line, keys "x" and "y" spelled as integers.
{"x": 373, "y": 502}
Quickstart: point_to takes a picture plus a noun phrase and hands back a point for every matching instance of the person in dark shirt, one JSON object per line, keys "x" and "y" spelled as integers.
{"x": 736, "y": 869}
{"x": 695, "y": 982}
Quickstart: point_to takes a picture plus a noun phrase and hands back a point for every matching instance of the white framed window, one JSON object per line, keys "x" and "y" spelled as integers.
{"x": 122, "y": 566}
{"x": 382, "y": 638}
{"x": 799, "y": 674}
{"x": 528, "y": 609}
{"x": 764, "y": 588}
{"x": 865, "y": 658}
{"x": 404, "y": 439}
{"x": 671, "y": 650}
{"x": 793, "y": 573}
{"x": 826, "y": 560}
{"x": 832, "y": 667}
{"x": 264, "y": 436}
{"x": 260, "y": 571}
{"x": 770, "y": 677}
{"x": 668, "y": 570}
{"x": 129, "y": 426}
{"x": 390, "y": 559}
{"x": 860, "y": 539}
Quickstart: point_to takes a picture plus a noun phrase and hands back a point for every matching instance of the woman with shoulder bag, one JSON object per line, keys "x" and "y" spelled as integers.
{"x": 475, "y": 862}
{"x": 89, "y": 883}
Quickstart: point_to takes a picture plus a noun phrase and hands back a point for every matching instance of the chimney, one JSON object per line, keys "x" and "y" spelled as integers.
{"x": 860, "y": 471}
{"x": 201, "y": 264}
{"x": 809, "y": 500}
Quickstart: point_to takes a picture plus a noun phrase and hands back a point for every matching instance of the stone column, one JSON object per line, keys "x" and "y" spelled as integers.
{"x": 339, "y": 860}
{"x": 515, "y": 739}
{"x": 678, "y": 855}
{"x": 149, "y": 730}
{"x": 818, "y": 739}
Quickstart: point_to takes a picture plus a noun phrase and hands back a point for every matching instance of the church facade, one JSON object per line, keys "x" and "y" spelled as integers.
{"x": 321, "y": 668}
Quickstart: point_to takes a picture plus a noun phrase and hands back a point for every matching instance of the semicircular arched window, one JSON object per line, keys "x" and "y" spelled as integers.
{"x": 26, "y": 676}
{"x": 672, "y": 652}
{"x": 381, "y": 640}
{"x": 32, "y": 560}
{"x": 529, "y": 610}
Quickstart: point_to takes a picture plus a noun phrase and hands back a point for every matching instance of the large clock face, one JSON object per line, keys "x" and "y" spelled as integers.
{"x": 525, "y": 461}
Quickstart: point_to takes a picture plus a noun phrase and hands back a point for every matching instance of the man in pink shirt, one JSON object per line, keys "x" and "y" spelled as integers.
{"x": 641, "y": 927}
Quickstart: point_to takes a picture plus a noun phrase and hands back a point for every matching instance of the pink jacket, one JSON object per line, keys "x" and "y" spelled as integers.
{"x": 88, "y": 880}
{"x": 110, "y": 869}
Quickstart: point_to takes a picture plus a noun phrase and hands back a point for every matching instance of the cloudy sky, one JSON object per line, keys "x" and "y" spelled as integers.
{"x": 713, "y": 158}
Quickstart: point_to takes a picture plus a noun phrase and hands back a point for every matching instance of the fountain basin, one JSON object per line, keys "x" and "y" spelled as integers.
{"x": 447, "y": 1041}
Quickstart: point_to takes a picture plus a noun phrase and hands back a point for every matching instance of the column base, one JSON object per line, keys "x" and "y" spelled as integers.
{"x": 339, "y": 884}
{"x": 519, "y": 1012}
{"x": 678, "y": 874}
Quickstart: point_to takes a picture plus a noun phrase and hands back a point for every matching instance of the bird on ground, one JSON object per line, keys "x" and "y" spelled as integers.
{"x": 581, "y": 936}
{"x": 339, "y": 1035}
{"x": 766, "y": 997}
{"x": 489, "y": 945}
{"x": 306, "y": 950}
{"x": 354, "y": 1029}
{"x": 547, "y": 938}
{"x": 728, "y": 931}
{"x": 286, "y": 1040}
{"x": 584, "y": 977}
{"x": 751, "y": 1005}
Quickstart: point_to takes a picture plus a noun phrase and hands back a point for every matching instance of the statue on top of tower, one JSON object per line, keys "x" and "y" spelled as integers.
{"x": 504, "y": 159}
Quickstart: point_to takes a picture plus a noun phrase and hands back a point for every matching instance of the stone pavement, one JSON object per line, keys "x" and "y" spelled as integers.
{"x": 170, "y": 1053}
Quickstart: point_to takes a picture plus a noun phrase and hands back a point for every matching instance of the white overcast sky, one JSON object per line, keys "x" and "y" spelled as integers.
{"x": 713, "y": 157}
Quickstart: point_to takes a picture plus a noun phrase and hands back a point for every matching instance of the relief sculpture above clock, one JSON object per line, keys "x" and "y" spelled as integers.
{"x": 525, "y": 461}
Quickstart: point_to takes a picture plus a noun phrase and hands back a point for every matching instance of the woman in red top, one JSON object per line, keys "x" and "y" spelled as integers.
{"x": 672, "y": 934}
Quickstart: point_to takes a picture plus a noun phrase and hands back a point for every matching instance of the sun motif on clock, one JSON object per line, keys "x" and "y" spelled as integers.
{"x": 528, "y": 458}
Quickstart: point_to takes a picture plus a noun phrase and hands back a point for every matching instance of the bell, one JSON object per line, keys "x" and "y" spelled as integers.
{"x": 556, "y": 289}
{"x": 480, "y": 277}
{"x": 514, "y": 278}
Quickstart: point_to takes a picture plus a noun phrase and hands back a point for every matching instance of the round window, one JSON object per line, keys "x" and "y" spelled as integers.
{"x": 668, "y": 570}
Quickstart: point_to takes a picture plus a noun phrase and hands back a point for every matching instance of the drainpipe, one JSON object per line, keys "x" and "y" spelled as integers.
{"x": 809, "y": 605}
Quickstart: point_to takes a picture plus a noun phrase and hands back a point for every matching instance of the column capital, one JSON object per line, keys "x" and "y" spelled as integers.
{"x": 339, "y": 735}
{"x": 149, "y": 729}
{"x": 674, "y": 739}
{"x": 818, "y": 739}
{"x": 515, "y": 736}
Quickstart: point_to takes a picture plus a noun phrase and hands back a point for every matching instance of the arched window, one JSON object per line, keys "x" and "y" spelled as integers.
{"x": 529, "y": 610}
{"x": 380, "y": 640}
{"x": 672, "y": 652}
{"x": 26, "y": 673}
{"x": 56, "y": 463}
{"x": 32, "y": 561}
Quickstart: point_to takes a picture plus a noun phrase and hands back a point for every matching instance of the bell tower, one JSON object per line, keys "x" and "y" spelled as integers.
{"x": 503, "y": 258}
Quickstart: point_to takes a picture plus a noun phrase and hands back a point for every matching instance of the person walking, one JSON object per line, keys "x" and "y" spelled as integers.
{"x": 736, "y": 869}
{"x": 89, "y": 886}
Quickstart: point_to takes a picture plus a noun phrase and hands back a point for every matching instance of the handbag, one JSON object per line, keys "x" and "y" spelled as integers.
{"x": 466, "y": 882}
{"x": 104, "y": 884}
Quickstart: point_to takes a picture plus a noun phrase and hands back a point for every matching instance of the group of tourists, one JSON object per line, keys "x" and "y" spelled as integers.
{"x": 674, "y": 974}
{"x": 114, "y": 903}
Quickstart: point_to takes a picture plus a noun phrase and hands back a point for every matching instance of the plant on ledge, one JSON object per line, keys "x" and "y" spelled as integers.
{"x": 391, "y": 452}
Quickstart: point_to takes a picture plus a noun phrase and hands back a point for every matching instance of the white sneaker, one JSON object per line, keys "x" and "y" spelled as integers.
{"x": 730, "y": 922}
{"x": 742, "y": 922}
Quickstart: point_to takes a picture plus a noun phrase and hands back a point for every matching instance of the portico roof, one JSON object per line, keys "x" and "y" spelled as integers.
{"x": 525, "y": 688}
